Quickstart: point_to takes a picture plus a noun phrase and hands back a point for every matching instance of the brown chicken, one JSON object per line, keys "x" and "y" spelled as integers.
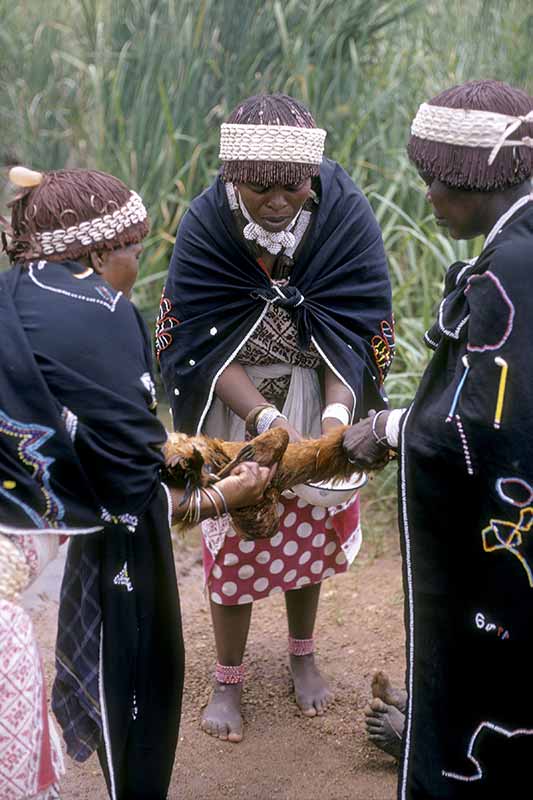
{"x": 196, "y": 461}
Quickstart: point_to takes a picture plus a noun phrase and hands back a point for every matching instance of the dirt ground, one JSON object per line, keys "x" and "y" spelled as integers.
{"x": 284, "y": 756}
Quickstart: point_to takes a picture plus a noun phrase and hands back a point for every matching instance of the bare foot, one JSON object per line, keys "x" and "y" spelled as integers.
{"x": 391, "y": 695}
{"x": 311, "y": 691}
{"x": 222, "y": 717}
{"x": 384, "y": 725}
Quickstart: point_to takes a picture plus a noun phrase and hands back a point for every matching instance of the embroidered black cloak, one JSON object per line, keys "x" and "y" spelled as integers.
{"x": 216, "y": 294}
{"x": 466, "y": 509}
{"x": 80, "y": 454}
{"x": 79, "y": 445}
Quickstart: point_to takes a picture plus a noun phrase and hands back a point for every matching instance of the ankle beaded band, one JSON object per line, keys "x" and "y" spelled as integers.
{"x": 230, "y": 674}
{"x": 301, "y": 647}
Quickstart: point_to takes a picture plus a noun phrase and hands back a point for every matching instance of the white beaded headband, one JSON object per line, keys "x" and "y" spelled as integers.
{"x": 271, "y": 143}
{"x": 469, "y": 128}
{"x": 95, "y": 230}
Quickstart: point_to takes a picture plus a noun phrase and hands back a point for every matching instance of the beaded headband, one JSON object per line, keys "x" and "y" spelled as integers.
{"x": 281, "y": 143}
{"x": 470, "y": 128}
{"x": 94, "y": 230}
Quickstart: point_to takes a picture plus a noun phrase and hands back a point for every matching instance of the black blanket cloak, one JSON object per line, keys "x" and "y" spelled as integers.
{"x": 466, "y": 508}
{"x": 216, "y": 294}
{"x": 80, "y": 455}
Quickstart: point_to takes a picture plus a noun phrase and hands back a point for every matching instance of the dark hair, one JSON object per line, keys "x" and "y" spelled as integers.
{"x": 64, "y": 198}
{"x": 270, "y": 109}
{"x": 467, "y": 167}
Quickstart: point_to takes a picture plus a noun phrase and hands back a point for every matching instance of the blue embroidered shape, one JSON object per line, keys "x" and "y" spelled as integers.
{"x": 123, "y": 579}
{"x": 31, "y": 438}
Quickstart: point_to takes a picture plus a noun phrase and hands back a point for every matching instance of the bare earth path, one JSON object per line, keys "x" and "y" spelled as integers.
{"x": 284, "y": 756}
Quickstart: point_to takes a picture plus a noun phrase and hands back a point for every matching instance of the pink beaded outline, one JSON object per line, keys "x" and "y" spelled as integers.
{"x": 301, "y": 647}
{"x": 229, "y": 674}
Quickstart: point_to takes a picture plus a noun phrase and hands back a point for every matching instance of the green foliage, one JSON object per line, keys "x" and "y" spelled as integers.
{"x": 139, "y": 88}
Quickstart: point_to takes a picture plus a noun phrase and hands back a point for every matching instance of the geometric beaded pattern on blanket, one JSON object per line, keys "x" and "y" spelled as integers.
{"x": 271, "y": 143}
{"x": 95, "y": 230}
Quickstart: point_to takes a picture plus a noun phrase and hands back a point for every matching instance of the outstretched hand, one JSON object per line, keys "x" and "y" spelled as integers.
{"x": 364, "y": 443}
{"x": 246, "y": 484}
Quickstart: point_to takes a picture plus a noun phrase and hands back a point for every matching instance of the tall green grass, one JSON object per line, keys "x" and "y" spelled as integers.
{"x": 139, "y": 88}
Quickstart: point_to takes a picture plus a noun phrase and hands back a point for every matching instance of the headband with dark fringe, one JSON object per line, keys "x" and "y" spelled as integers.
{"x": 464, "y": 167}
{"x": 270, "y": 109}
{"x": 63, "y": 199}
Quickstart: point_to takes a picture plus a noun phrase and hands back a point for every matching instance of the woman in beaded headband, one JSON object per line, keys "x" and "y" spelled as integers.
{"x": 466, "y": 475}
{"x": 80, "y": 458}
{"x": 277, "y": 296}
{"x": 77, "y": 215}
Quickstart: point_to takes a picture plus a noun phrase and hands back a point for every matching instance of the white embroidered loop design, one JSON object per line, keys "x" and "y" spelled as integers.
{"x": 94, "y": 230}
{"x": 468, "y": 127}
{"x": 271, "y": 143}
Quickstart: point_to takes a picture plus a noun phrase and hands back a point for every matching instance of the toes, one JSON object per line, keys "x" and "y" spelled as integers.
{"x": 222, "y": 732}
{"x": 207, "y": 726}
{"x": 235, "y": 736}
{"x": 378, "y": 705}
{"x": 308, "y": 711}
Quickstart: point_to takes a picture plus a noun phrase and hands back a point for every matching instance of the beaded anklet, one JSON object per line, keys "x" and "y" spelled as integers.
{"x": 231, "y": 674}
{"x": 301, "y": 647}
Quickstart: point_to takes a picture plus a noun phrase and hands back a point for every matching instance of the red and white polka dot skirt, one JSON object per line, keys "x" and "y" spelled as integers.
{"x": 312, "y": 543}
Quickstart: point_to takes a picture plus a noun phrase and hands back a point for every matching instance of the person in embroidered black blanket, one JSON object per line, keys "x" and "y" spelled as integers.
{"x": 466, "y": 466}
{"x": 278, "y": 283}
{"x": 80, "y": 457}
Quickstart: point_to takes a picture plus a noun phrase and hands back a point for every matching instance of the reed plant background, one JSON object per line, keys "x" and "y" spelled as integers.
{"x": 139, "y": 87}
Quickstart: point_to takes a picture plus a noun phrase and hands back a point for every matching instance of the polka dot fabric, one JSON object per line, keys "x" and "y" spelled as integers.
{"x": 306, "y": 549}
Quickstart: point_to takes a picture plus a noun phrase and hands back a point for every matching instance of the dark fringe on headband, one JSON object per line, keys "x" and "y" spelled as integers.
{"x": 467, "y": 167}
{"x": 270, "y": 109}
{"x": 65, "y": 198}
{"x": 268, "y": 173}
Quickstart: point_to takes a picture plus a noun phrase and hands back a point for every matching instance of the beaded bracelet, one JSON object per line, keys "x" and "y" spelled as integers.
{"x": 337, "y": 411}
{"x": 266, "y": 417}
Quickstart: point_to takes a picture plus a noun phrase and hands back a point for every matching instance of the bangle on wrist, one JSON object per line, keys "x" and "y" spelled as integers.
{"x": 215, "y": 488}
{"x": 212, "y": 501}
{"x": 266, "y": 417}
{"x": 338, "y": 411}
{"x": 382, "y": 440}
{"x": 193, "y": 511}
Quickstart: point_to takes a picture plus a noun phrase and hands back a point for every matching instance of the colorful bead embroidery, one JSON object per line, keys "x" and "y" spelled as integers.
{"x": 123, "y": 578}
{"x": 164, "y": 325}
{"x": 474, "y": 282}
{"x": 503, "y": 535}
{"x": 32, "y": 437}
{"x": 129, "y": 520}
{"x": 383, "y": 347}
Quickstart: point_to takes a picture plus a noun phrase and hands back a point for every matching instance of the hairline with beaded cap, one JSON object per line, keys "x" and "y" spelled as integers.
{"x": 283, "y": 124}
{"x": 469, "y": 127}
{"x": 124, "y": 225}
{"x": 485, "y": 158}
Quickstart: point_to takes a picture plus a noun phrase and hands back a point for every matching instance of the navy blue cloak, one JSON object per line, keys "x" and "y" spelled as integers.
{"x": 79, "y": 445}
{"x": 216, "y": 294}
{"x": 80, "y": 454}
{"x": 466, "y": 510}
